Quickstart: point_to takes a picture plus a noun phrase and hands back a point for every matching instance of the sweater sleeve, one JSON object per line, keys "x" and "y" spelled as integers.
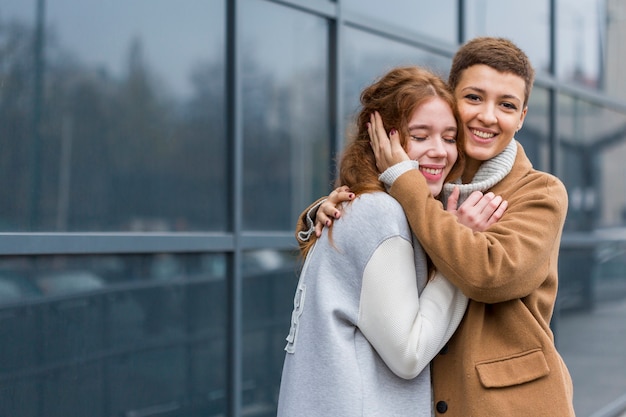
{"x": 393, "y": 172}
{"x": 406, "y": 330}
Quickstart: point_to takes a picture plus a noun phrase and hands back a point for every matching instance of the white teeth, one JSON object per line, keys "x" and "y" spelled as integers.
{"x": 432, "y": 171}
{"x": 483, "y": 135}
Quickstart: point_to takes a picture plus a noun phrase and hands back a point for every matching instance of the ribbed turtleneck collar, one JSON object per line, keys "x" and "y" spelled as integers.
{"x": 489, "y": 174}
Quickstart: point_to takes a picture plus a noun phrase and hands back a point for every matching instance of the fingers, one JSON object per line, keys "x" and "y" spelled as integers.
{"x": 379, "y": 129}
{"x": 486, "y": 204}
{"x": 453, "y": 200}
{"x": 398, "y": 154}
{"x": 327, "y": 211}
{"x": 489, "y": 203}
{"x": 372, "y": 134}
{"x": 473, "y": 199}
{"x": 318, "y": 229}
{"x": 339, "y": 195}
{"x": 499, "y": 212}
{"x": 330, "y": 209}
{"x": 387, "y": 148}
{"x": 378, "y": 139}
{"x": 479, "y": 211}
{"x": 495, "y": 216}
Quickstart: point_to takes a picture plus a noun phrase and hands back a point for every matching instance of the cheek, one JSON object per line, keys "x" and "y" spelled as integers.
{"x": 510, "y": 124}
{"x": 516, "y": 123}
{"x": 414, "y": 150}
{"x": 453, "y": 154}
{"x": 466, "y": 113}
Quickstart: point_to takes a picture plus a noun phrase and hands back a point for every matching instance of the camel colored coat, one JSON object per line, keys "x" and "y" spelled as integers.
{"x": 502, "y": 360}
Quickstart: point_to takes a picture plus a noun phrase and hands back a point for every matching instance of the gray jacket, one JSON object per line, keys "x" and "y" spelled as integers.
{"x": 365, "y": 324}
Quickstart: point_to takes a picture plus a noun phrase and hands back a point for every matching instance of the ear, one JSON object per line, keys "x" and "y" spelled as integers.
{"x": 521, "y": 119}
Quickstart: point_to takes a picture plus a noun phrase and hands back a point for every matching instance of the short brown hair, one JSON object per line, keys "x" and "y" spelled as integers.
{"x": 498, "y": 53}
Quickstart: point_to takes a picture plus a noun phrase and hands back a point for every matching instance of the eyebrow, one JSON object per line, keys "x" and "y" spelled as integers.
{"x": 484, "y": 92}
{"x": 427, "y": 127}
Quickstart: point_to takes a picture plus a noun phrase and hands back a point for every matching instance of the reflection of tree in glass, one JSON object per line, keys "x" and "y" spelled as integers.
{"x": 15, "y": 115}
{"x": 116, "y": 153}
{"x": 286, "y": 139}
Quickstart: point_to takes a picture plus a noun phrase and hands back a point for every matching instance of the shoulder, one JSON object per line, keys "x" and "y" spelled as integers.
{"x": 379, "y": 210}
{"x": 545, "y": 183}
{"x": 375, "y": 204}
{"x": 539, "y": 184}
{"x": 527, "y": 179}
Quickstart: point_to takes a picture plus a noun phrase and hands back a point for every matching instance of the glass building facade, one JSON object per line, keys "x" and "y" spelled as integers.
{"x": 155, "y": 155}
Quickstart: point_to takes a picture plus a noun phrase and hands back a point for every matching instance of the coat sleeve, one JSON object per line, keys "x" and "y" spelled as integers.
{"x": 507, "y": 261}
{"x": 305, "y": 226}
{"x": 406, "y": 330}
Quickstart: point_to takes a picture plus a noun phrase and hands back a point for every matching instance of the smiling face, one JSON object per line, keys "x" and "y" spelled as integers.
{"x": 432, "y": 141}
{"x": 491, "y": 104}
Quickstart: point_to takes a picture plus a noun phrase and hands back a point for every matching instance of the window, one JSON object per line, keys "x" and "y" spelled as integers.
{"x": 437, "y": 20}
{"x": 116, "y": 130}
{"x": 285, "y": 114}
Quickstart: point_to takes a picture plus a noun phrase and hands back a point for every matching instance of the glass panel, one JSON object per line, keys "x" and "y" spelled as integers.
{"x": 434, "y": 19}
{"x": 535, "y": 133}
{"x": 525, "y": 23}
{"x": 576, "y": 163}
{"x": 613, "y": 63}
{"x": 112, "y": 335}
{"x": 581, "y": 31}
{"x": 593, "y": 147}
{"x": 367, "y": 57}
{"x": 285, "y": 113}
{"x": 590, "y": 335}
{"x": 116, "y": 129}
{"x": 270, "y": 279}
{"x": 592, "y": 263}
{"x": 612, "y": 177}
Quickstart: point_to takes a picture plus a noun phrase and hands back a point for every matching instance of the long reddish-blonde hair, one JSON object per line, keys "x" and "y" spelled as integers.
{"x": 395, "y": 95}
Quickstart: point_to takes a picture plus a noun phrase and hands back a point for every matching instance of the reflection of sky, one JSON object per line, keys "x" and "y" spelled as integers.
{"x": 281, "y": 49}
{"x": 579, "y": 41}
{"x": 175, "y": 36}
{"x": 434, "y": 19}
{"x": 526, "y": 23}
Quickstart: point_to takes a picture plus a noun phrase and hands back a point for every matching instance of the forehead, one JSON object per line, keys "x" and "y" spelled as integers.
{"x": 433, "y": 112}
{"x": 492, "y": 81}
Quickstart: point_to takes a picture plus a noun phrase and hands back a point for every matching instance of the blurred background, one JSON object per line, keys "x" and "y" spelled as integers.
{"x": 155, "y": 154}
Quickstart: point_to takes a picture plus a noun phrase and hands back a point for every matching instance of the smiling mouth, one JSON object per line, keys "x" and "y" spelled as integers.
{"x": 432, "y": 171}
{"x": 482, "y": 135}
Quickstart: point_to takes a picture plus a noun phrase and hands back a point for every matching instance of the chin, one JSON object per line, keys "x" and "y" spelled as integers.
{"x": 480, "y": 154}
{"x": 435, "y": 191}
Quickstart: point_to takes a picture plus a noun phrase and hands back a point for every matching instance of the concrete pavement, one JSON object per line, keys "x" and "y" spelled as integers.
{"x": 593, "y": 345}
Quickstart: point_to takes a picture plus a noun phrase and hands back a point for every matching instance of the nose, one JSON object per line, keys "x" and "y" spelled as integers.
{"x": 438, "y": 149}
{"x": 487, "y": 114}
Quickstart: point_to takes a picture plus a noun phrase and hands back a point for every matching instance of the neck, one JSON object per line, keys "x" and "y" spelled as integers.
{"x": 471, "y": 167}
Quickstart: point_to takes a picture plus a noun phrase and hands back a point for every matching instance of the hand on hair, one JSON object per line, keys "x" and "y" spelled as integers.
{"x": 387, "y": 149}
